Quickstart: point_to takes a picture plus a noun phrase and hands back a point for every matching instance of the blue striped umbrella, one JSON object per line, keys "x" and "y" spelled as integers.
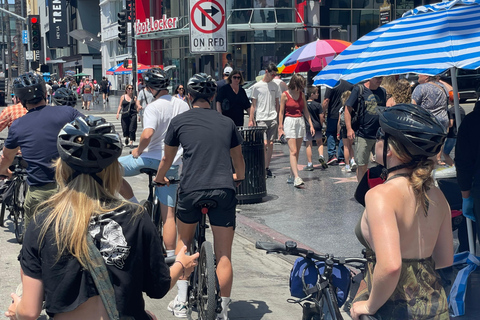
{"x": 426, "y": 40}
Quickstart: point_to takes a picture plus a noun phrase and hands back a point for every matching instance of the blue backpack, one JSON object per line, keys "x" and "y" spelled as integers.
{"x": 305, "y": 275}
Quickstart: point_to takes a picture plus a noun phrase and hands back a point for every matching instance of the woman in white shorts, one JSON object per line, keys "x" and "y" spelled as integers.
{"x": 293, "y": 110}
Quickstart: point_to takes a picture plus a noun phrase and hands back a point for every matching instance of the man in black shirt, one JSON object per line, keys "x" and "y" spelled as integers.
{"x": 331, "y": 105}
{"x": 211, "y": 143}
{"x": 374, "y": 97}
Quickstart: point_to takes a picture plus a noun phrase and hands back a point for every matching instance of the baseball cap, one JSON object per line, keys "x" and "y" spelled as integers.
{"x": 227, "y": 71}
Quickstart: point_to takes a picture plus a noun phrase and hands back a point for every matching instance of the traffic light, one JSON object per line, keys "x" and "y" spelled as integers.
{"x": 122, "y": 28}
{"x": 34, "y": 28}
{"x": 130, "y": 7}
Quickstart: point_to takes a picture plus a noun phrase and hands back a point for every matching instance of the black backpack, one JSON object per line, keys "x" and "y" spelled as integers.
{"x": 357, "y": 115}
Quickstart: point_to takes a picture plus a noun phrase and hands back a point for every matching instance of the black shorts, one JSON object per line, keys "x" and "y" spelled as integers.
{"x": 223, "y": 215}
{"x": 343, "y": 133}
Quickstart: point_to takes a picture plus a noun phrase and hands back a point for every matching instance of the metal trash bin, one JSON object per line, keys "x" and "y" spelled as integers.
{"x": 254, "y": 187}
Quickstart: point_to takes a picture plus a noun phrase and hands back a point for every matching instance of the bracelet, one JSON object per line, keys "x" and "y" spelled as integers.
{"x": 183, "y": 270}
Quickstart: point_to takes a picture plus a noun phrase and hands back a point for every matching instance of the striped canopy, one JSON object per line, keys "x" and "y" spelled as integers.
{"x": 426, "y": 40}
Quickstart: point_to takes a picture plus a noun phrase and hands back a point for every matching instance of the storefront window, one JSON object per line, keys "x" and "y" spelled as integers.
{"x": 340, "y": 4}
{"x": 365, "y": 21}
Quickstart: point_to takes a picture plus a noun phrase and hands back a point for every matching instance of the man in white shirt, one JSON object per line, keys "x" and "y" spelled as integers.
{"x": 149, "y": 153}
{"x": 264, "y": 110}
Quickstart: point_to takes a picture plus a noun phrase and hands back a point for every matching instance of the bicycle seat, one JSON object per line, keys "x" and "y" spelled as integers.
{"x": 150, "y": 172}
{"x": 206, "y": 203}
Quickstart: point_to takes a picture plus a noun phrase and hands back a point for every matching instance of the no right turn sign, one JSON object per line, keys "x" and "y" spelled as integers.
{"x": 208, "y": 28}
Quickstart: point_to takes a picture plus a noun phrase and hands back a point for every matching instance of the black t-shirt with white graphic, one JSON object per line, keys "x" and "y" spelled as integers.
{"x": 206, "y": 137}
{"x": 132, "y": 251}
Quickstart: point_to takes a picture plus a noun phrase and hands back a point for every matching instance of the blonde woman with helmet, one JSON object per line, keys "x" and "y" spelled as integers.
{"x": 406, "y": 226}
{"x": 293, "y": 109}
{"x": 84, "y": 229}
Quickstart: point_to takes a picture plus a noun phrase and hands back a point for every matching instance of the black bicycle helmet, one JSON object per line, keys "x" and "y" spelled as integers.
{"x": 415, "y": 128}
{"x": 156, "y": 79}
{"x": 201, "y": 85}
{"x": 64, "y": 97}
{"x": 30, "y": 88}
{"x": 89, "y": 145}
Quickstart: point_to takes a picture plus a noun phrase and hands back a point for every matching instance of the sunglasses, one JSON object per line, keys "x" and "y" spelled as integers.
{"x": 237, "y": 78}
{"x": 380, "y": 134}
{"x": 129, "y": 88}
{"x": 180, "y": 89}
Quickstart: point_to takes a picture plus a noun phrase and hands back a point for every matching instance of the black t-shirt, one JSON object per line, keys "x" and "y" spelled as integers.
{"x": 104, "y": 85}
{"x": 233, "y": 104}
{"x": 335, "y": 96}
{"x": 315, "y": 109}
{"x": 452, "y": 132}
{"x": 132, "y": 251}
{"x": 206, "y": 137}
{"x": 55, "y": 87}
{"x": 36, "y": 134}
{"x": 220, "y": 84}
{"x": 373, "y": 99}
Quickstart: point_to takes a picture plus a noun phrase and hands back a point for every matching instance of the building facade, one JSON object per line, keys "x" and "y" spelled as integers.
{"x": 259, "y": 32}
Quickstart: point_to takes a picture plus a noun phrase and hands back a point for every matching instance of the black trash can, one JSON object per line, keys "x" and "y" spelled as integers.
{"x": 254, "y": 187}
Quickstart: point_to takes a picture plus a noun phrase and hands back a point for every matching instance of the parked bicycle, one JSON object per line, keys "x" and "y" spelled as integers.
{"x": 14, "y": 196}
{"x": 321, "y": 283}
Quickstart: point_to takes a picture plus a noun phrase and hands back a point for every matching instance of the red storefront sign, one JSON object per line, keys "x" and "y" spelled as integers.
{"x": 152, "y": 25}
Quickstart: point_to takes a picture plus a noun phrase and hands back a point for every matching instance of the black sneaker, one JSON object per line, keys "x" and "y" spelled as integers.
{"x": 127, "y": 141}
{"x": 331, "y": 161}
{"x": 269, "y": 173}
{"x": 323, "y": 162}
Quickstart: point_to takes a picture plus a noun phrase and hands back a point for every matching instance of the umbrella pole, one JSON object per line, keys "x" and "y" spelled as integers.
{"x": 453, "y": 73}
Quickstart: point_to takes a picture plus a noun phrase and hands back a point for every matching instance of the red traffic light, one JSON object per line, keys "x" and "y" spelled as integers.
{"x": 34, "y": 20}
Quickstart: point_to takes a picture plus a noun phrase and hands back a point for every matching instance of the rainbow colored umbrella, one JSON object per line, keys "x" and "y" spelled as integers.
{"x": 313, "y": 56}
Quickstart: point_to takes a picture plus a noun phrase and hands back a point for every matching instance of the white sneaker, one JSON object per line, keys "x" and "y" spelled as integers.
{"x": 178, "y": 308}
{"x": 353, "y": 164}
{"x": 298, "y": 182}
{"x": 221, "y": 318}
{"x": 346, "y": 168}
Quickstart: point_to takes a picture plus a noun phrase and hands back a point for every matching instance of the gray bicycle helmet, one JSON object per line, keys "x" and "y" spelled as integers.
{"x": 64, "y": 97}
{"x": 30, "y": 88}
{"x": 89, "y": 145}
{"x": 156, "y": 79}
{"x": 415, "y": 128}
{"x": 201, "y": 85}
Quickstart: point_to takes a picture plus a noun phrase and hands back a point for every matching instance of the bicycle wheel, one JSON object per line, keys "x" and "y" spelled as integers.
{"x": 330, "y": 310}
{"x": 2, "y": 214}
{"x": 206, "y": 302}
{"x": 18, "y": 224}
{"x": 18, "y": 211}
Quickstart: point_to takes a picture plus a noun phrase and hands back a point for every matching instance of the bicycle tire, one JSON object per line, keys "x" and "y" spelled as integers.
{"x": 206, "y": 289}
{"x": 18, "y": 211}
{"x": 2, "y": 214}
{"x": 19, "y": 224}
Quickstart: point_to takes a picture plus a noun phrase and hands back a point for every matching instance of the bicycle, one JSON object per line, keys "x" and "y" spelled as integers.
{"x": 203, "y": 287}
{"x": 14, "y": 197}
{"x": 321, "y": 299}
{"x": 152, "y": 204}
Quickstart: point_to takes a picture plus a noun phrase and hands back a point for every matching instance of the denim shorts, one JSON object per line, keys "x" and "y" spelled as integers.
{"x": 132, "y": 166}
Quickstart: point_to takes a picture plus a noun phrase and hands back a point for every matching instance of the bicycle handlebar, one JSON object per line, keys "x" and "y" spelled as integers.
{"x": 290, "y": 248}
{"x": 171, "y": 180}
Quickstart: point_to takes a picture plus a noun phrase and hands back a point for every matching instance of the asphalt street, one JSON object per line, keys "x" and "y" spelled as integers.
{"x": 321, "y": 216}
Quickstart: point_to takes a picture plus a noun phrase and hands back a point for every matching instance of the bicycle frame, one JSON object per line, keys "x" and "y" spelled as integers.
{"x": 323, "y": 291}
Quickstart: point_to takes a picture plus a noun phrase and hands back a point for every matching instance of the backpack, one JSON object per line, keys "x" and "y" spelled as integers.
{"x": 305, "y": 274}
{"x": 87, "y": 88}
{"x": 104, "y": 85}
{"x": 355, "y": 116}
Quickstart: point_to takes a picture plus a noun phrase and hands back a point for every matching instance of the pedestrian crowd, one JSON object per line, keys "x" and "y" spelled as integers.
{"x": 88, "y": 253}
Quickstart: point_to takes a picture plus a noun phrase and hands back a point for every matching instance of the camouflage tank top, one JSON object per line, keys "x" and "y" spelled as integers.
{"x": 419, "y": 293}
